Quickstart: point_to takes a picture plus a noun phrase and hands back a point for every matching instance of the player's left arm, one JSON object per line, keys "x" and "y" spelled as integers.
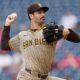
{"x": 70, "y": 35}
{"x": 53, "y": 32}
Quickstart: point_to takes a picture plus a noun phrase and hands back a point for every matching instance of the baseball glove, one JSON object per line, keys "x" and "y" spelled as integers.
{"x": 52, "y": 32}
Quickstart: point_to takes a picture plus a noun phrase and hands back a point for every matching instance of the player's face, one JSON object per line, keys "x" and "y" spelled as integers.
{"x": 39, "y": 16}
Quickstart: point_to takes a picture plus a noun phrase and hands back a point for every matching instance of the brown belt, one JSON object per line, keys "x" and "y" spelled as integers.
{"x": 39, "y": 75}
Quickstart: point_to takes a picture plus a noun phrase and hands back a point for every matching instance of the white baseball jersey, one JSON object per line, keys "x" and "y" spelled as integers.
{"x": 36, "y": 52}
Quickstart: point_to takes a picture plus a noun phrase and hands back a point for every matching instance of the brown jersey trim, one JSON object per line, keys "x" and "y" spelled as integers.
{"x": 34, "y": 30}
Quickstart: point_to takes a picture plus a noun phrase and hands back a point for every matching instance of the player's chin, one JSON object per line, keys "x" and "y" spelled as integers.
{"x": 42, "y": 21}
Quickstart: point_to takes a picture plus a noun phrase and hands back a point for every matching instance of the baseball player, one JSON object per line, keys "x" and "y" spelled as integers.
{"x": 37, "y": 45}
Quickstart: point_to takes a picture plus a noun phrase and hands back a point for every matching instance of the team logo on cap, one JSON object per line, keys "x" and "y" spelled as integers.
{"x": 39, "y": 4}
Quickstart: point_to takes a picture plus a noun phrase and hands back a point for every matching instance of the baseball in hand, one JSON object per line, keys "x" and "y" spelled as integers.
{"x": 14, "y": 15}
{"x": 10, "y": 19}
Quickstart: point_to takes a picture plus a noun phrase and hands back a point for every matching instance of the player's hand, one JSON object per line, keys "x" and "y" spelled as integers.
{"x": 10, "y": 19}
{"x": 65, "y": 33}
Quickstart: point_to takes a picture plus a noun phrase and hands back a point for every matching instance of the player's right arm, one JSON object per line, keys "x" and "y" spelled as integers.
{"x": 6, "y": 42}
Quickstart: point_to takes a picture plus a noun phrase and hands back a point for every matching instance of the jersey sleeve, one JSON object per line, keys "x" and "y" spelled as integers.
{"x": 14, "y": 43}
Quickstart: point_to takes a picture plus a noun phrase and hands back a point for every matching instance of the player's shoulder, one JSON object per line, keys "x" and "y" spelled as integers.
{"x": 23, "y": 32}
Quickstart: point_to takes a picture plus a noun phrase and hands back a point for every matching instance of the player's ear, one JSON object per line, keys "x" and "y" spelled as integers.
{"x": 31, "y": 16}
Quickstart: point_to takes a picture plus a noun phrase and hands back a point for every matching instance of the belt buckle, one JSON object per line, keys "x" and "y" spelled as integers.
{"x": 42, "y": 76}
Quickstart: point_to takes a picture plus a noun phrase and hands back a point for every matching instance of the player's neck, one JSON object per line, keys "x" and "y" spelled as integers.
{"x": 36, "y": 26}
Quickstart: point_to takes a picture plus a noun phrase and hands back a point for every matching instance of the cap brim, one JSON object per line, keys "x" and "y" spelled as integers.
{"x": 44, "y": 9}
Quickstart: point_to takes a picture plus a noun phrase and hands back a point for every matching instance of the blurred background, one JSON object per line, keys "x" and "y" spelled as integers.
{"x": 67, "y": 59}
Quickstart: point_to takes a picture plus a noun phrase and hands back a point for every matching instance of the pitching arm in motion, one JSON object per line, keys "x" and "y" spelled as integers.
{"x": 6, "y": 31}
